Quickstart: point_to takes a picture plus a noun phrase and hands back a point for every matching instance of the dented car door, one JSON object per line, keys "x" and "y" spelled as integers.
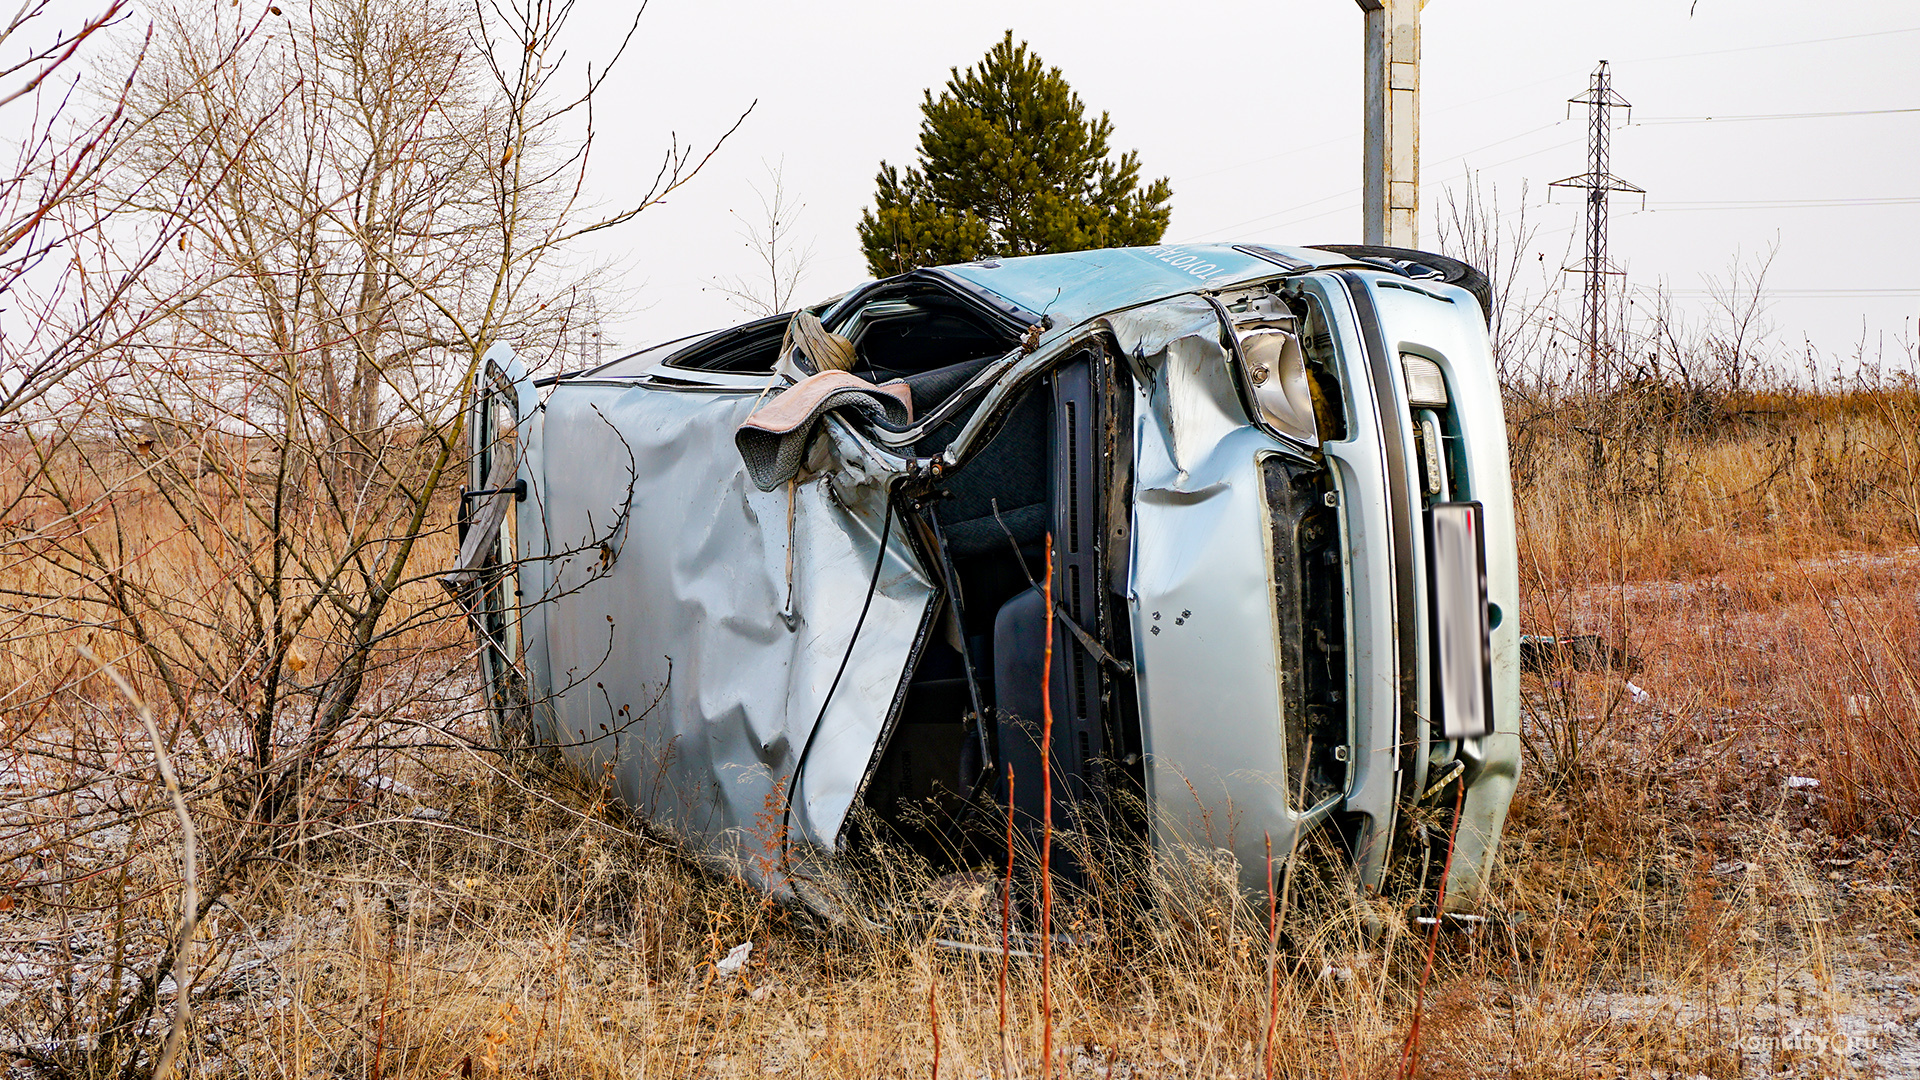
{"x": 714, "y": 651}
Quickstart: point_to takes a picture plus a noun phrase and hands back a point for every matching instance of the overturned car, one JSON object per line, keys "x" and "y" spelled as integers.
{"x": 785, "y": 586}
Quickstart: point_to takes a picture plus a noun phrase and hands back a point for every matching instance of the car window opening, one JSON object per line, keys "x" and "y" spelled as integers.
{"x": 747, "y": 349}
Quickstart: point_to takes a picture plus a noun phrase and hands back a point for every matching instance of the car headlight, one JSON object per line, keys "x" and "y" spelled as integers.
{"x": 1276, "y": 375}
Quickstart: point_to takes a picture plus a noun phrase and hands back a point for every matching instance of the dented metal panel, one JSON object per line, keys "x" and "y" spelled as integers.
{"x": 674, "y": 673}
{"x": 1201, "y": 597}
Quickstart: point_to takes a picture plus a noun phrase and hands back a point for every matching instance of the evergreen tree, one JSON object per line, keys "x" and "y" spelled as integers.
{"x": 1009, "y": 165}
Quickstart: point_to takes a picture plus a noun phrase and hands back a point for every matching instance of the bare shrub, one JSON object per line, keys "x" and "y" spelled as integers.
{"x": 243, "y": 479}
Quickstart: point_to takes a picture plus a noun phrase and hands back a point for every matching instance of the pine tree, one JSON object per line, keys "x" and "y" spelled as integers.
{"x": 1009, "y": 165}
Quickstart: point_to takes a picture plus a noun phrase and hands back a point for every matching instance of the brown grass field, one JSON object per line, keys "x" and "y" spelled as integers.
{"x": 1709, "y": 869}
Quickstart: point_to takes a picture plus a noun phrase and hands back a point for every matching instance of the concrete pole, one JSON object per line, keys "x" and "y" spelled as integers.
{"x": 1390, "y": 167}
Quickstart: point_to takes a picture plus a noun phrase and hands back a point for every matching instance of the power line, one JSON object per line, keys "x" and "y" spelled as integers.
{"x": 1510, "y": 138}
{"x": 1214, "y": 233}
{"x": 1671, "y": 207}
{"x": 1775, "y": 45}
{"x": 1770, "y": 116}
{"x": 1224, "y": 229}
{"x": 1269, "y": 158}
{"x": 1809, "y": 202}
{"x": 1557, "y": 76}
{"x": 1787, "y": 204}
{"x": 1291, "y": 151}
{"x": 1777, "y": 204}
{"x": 1667, "y": 207}
{"x": 1807, "y": 294}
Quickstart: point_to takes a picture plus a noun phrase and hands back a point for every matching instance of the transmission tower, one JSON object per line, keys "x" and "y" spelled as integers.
{"x": 1599, "y": 182}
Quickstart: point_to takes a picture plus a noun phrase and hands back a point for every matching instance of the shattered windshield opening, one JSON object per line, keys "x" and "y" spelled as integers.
{"x": 931, "y": 341}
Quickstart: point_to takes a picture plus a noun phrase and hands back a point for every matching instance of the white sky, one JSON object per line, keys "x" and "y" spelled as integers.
{"x": 1253, "y": 111}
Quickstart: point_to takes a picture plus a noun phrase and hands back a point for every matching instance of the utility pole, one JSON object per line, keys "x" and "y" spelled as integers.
{"x": 1390, "y": 167}
{"x": 1599, "y": 99}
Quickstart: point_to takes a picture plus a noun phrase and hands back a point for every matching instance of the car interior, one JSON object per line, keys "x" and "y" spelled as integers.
{"x": 939, "y": 786}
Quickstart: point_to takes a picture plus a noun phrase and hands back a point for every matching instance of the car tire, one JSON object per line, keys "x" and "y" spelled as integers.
{"x": 1450, "y": 270}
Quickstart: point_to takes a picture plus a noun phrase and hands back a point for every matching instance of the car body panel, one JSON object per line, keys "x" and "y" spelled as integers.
{"x": 1199, "y": 595}
{"x": 1360, "y": 467}
{"x": 673, "y": 673}
{"x": 1456, "y": 341}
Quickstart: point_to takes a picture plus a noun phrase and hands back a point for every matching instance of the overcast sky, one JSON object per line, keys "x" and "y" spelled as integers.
{"x": 1253, "y": 111}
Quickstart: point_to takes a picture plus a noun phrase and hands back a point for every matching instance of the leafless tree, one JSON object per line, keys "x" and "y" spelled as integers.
{"x": 1739, "y": 334}
{"x": 68, "y": 278}
{"x": 780, "y": 257}
{"x": 1473, "y": 230}
{"x": 58, "y": 161}
{"x": 248, "y": 464}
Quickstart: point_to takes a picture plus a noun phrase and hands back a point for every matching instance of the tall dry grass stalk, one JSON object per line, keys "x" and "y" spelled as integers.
{"x": 541, "y": 937}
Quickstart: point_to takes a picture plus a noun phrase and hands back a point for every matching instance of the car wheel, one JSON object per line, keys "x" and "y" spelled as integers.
{"x": 1423, "y": 264}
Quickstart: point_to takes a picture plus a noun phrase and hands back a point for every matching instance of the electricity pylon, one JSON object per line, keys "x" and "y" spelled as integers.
{"x": 1599, "y": 99}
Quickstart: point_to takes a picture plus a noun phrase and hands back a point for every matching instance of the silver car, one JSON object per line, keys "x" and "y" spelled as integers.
{"x": 784, "y": 586}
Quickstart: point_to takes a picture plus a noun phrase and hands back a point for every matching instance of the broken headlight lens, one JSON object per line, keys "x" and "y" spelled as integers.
{"x": 1276, "y": 378}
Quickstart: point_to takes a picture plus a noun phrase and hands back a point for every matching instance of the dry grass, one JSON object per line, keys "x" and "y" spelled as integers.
{"x": 525, "y": 933}
{"x": 1669, "y": 904}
